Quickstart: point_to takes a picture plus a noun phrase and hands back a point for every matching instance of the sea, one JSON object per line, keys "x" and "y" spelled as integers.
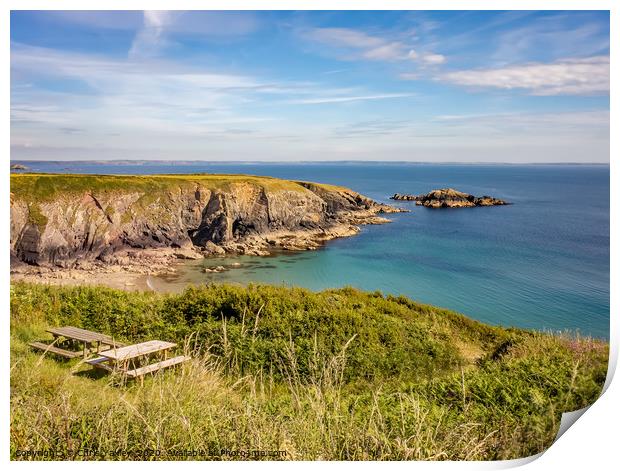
{"x": 540, "y": 263}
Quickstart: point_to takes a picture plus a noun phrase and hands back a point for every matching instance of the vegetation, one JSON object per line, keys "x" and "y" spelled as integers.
{"x": 155, "y": 191}
{"x": 41, "y": 187}
{"x": 338, "y": 375}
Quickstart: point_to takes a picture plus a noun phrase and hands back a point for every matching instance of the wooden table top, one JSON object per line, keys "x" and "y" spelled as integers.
{"x": 80, "y": 334}
{"x": 139, "y": 349}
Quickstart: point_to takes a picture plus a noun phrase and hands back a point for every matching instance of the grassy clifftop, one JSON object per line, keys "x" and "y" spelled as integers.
{"x": 46, "y": 187}
{"x": 340, "y": 374}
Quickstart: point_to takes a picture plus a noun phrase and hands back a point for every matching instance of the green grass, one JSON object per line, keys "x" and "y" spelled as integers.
{"x": 338, "y": 375}
{"x": 155, "y": 191}
{"x": 48, "y": 187}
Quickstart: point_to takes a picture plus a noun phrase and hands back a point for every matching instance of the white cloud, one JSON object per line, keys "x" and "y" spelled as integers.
{"x": 345, "y": 37}
{"x": 140, "y": 102}
{"x": 360, "y": 45}
{"x": 561, "y": 122}
{"x": 586, "y": 76}
{"x": 195, "y": 22}
{"x": 346, "y": 99}
{"x": 149, "y": 39}
{"x": 387, "y": 52}
{"x": 433, "y": 59}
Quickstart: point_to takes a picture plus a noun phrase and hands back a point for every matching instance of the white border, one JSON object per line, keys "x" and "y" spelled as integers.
{"x": 592, "y": 443}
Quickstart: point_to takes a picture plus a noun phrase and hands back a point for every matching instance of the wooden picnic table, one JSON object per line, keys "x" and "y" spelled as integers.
{"x": 134, "y": 351}
{"x": 75, "y": 334}
{"x": 86, "y": 337}
{"x": 79, "y": 334}
{"x": 118, "y": 359}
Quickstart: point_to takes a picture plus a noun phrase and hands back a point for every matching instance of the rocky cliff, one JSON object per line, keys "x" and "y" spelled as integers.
{"x": 65, "y": 220}
{"x": 449, "y": 198}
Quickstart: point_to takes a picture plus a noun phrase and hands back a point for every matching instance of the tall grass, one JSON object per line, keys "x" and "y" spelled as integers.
{"x": 312, "y": 399}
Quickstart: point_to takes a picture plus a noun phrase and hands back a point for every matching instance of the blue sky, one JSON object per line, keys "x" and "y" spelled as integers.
{"x": 456, "y": 86}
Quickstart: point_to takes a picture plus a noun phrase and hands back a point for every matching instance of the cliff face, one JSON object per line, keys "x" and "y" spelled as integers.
{"x": 60, "y": 219}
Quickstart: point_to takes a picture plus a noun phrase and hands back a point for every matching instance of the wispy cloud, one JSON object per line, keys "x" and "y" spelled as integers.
{"x": 362, "y": 44}
{"x": 145, "y": 95}
{"x": 561, "y": 122}
{"x": 356, "y": 44}
{"x": 200, "y": 85}
{"x": 585, "y": 76}
{"x": 197, "y": 23}
{"x": 557, "y": 35}
{"x": 347, "y": 99}
{"x": 434, "y": 58}
{"x": 149, "y": 39}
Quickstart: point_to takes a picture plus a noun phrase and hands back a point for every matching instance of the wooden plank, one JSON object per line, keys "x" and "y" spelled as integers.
{"x": 100, "y": 362}
{"x": 72, "y": 333}
{"x": 156, "y": 366}
{"x": 55, "y": 350}
{"x": 83, "y": 335}
{"x": 140, "y": 349}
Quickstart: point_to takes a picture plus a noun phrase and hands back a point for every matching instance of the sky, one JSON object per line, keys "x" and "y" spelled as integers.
{"x": 445, "y": 86}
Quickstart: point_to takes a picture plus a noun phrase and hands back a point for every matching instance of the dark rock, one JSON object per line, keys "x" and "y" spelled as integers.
{"x": 449, "y": 198}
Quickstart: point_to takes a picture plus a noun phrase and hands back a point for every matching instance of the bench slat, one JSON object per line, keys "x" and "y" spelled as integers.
{"x": 157, "y": 366}
{"x": 55, "y": 350}
{"x": 100, "y": 362}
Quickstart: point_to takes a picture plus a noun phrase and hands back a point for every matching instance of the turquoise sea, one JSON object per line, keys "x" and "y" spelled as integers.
{"x": 541, "y": 263}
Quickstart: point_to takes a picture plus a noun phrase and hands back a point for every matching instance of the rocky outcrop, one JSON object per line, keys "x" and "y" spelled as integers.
{"x": 449, "y": 198}
{"x": 68, "y": 221}
{"x": 19, "y": 167}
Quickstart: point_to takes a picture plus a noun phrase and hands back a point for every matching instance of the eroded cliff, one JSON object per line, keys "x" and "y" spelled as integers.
{"x": 63, "y": 220}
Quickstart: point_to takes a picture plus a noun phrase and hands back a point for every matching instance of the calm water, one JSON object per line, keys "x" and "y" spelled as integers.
{"x": 540, "y": 263}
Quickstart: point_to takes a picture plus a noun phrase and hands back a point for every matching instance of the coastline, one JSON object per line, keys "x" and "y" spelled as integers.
{"x": 82, "y": 228}
{"x": 512, "y": 255}
{"x": 129, "y": 270}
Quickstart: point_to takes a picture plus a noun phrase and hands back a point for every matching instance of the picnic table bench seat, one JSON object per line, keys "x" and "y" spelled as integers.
{"x": 58, "y": 351}
{"x": 156, "y": 366}
{"x": 100, "y": 362}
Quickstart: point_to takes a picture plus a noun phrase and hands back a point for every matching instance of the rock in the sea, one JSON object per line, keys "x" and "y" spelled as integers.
{"x": 449, "y": 198}
{"x": 217, "y": 269}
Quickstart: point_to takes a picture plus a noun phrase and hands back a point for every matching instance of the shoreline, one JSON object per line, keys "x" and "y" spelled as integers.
{"x": 131, "y": 269}
{"x": 81, "y": 221}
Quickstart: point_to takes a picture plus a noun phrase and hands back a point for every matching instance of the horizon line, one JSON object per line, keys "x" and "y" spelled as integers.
{"x": 418, "y": 162}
